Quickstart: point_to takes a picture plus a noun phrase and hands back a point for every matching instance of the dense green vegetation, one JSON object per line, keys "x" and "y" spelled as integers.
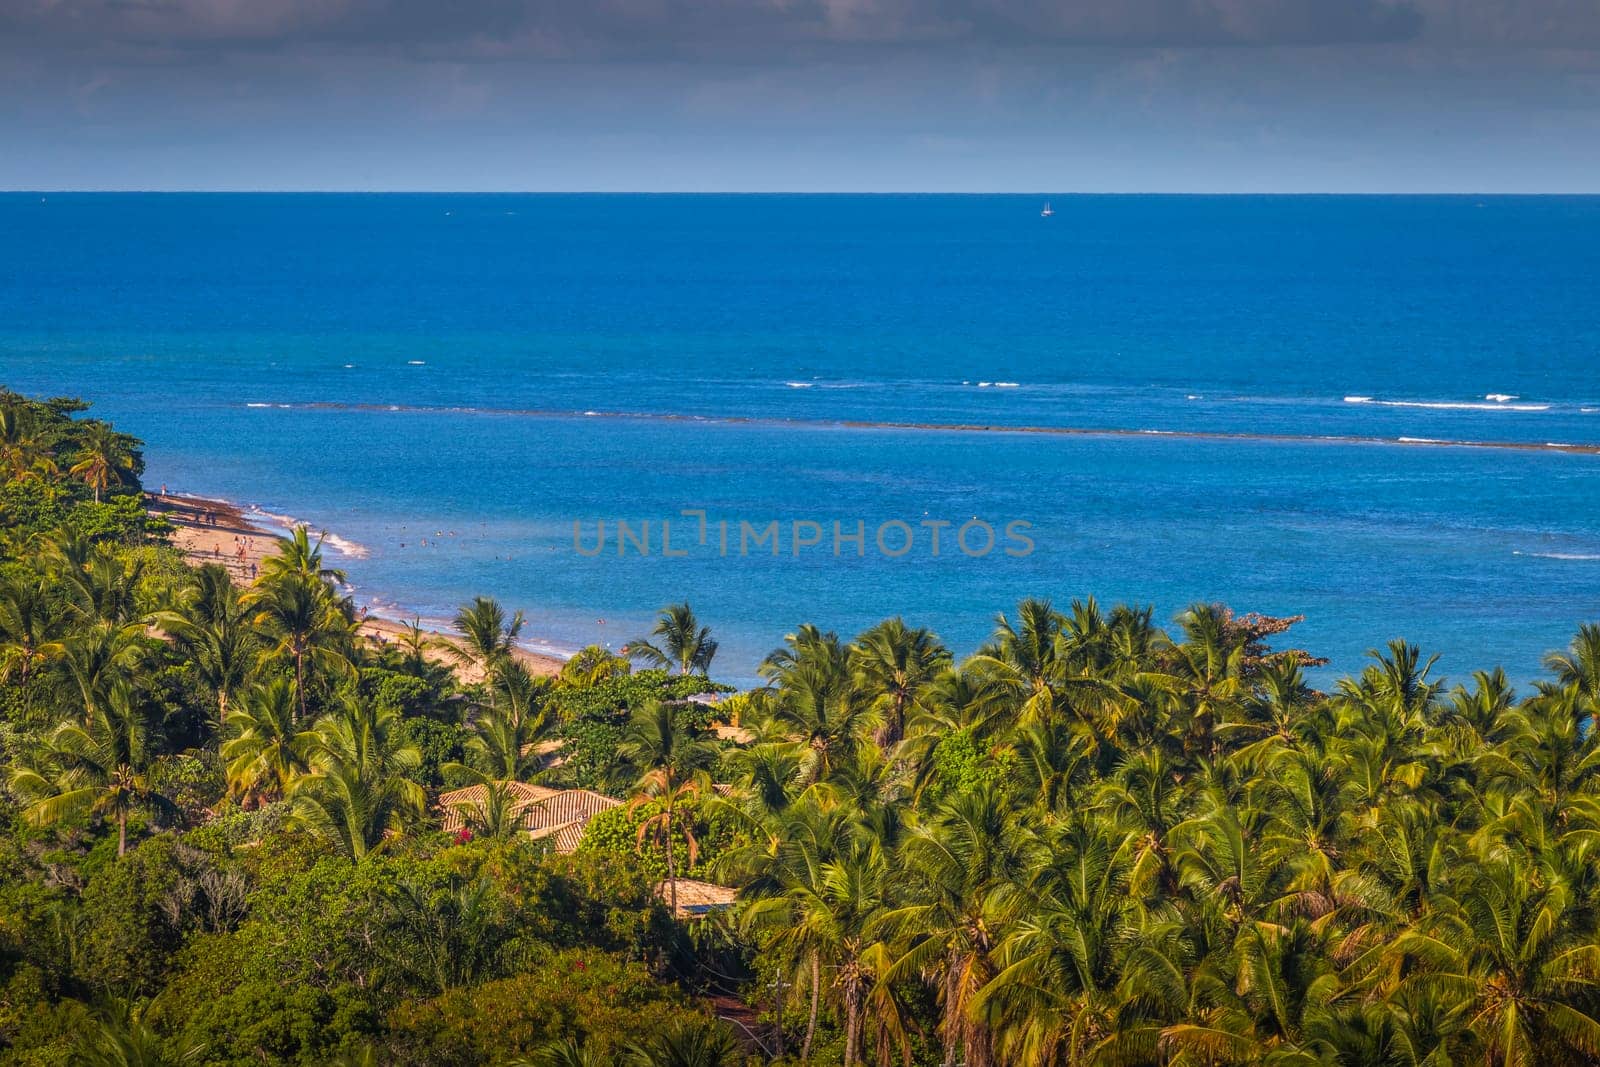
{"x": 1093, "y": 842}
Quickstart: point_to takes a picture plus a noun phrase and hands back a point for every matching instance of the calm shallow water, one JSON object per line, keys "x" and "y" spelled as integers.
{"x": 259, "y": 344}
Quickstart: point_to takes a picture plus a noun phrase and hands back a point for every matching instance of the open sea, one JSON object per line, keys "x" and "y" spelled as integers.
{"x": 447, "y": 383}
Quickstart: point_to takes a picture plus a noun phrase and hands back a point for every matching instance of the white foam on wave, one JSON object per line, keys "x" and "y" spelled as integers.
{"x": 1500, "y": 398}
{"x": 1421, "y": 441}
{"x": 287, "y": 522}
{"x": 342, "y": 545}
{"x": 1005, "y": 385}
{"x": 984, "y": 385}
{"x": 1193, "y": 396}
{"x": 258, "y": 405}
{"x": 346, "y": 547}
{"x": 1446, "y": 405}
{"x": 415, "y": 363}
{"x": 1585, "y": 557}
{"x": 798, "y": 385}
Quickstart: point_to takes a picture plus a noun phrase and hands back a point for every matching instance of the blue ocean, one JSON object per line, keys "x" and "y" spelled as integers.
{"x": 1382, "y": 413}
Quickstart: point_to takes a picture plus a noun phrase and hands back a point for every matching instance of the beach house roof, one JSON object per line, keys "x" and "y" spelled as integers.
{"x": 564, "y": 807}
{"x": 697, "y": 899}
{"x": 564, "y": 838}
{"x": 455, "y": 805}
{"x": 560, "y": 814}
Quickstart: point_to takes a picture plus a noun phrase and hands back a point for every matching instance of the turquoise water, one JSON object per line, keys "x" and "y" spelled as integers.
{"x": 403, "y": 369}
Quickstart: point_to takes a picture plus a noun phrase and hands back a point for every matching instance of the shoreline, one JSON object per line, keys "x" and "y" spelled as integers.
{"x": 207, "y": 530}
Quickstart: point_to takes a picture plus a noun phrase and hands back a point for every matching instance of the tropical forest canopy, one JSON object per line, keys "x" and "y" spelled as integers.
{"x": 1095, "y": 841}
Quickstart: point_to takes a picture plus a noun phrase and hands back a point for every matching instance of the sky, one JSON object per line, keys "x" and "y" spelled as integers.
{"x": 802, "y": 95}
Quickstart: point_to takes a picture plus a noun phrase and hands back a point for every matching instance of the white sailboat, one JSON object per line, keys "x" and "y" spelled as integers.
{"x": 1046, "y": 213}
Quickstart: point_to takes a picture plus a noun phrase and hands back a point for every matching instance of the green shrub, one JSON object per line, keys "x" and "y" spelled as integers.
{"x": 616, "y": 832}
{"x": 594, "y": 997}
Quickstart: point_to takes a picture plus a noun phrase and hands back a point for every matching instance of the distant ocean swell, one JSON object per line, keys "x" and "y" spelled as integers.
{"x": 1491, "y": 402}
{"x": 951, "y": 427}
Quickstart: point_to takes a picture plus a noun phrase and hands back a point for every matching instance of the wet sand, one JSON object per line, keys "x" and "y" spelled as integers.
{"x": 214, "y": 531}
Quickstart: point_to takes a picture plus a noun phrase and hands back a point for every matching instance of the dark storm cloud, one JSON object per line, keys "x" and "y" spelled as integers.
{"x": 698, "y": 29}
{"x": 760, "y": 30}
{"x": 801, "y": 94}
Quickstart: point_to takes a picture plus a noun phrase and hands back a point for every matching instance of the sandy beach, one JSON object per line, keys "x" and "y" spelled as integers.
{"x": 215, "y": 531}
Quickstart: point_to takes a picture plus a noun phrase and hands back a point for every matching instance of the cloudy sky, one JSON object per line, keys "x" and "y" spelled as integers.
{"x": 1026, "y": 95}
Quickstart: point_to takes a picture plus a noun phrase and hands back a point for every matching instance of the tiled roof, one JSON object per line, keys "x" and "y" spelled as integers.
{"x": 566, "y": 836}
{"x": 566, "y": 806}
{"x": 543, "y": 811}
{"x": 695, "y": 898}
{"x": 454, "y": 805}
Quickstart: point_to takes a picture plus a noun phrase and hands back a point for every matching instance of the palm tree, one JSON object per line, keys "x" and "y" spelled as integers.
{"x": 685, "y": 644}
{"x": 447, "y": 939}
{"x": 488, "y": 638}
{"x": 414, "y": 644}
{"x": 522, "y": 694}
{"x": 672, "y": 763}
{"x": 97, "y": 768}
{"x": 212, "y": 629}
{"x": 267, "y": 751}
{"x": 1029, "y": 657}
{"x": 24, "y": 446}
{"x": 31, "y": 629}
{"x": 955, "y": 868}
{"x": 817, "y": 700}
{"x": 499, "y": 814}
{"x": 593, "y": 665}
{"x": 96, "y": 658}
{"x": 1207, "y": 676}
{"x": 565, "y": 1053}
{"x": 1145, "y": 800}
{"x": 119, "y": 1036}
{"x": 897, "y": 664}
{"x": 839, "y": 912}
{"x": 701, "y": 1043}
{"x": 297, "y": 559}
{"x": 502, "y": 745}
{"x": 1277, "y": 986}
{"x": 1519, "y": 952}
{"x": 1055, "y": 996}
{"x": 812, "y": 905}
{"x": 1579, "y": 667}
{"x": 958, "y": 701}
{"x": 308, "y": 625}
{"x": 104, "y": 458}
{"x": 106, "y": 587}
{"x": 357, "y": 792}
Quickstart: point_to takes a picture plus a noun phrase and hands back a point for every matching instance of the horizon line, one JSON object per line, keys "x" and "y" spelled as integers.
{"x": 241, "y": 191}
